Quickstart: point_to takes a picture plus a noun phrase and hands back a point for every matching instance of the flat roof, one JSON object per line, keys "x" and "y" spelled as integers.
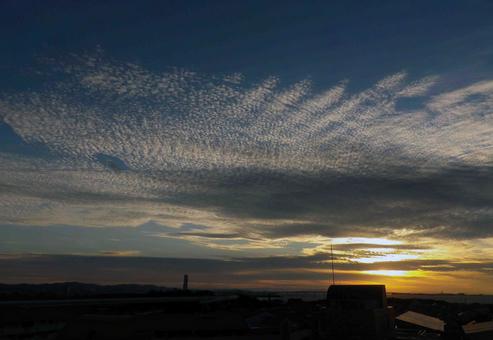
{"x": 422, "y": 320}
{"x": 478, "y": 327}
{"x": 118, "y": 301}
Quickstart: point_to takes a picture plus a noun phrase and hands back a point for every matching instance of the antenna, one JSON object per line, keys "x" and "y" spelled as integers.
{"x": 332, "y": 258}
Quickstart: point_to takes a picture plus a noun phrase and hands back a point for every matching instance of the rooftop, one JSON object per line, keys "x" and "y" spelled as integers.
{"x": 422, "y": 320}
{"x": 375, "y": 293}
{"x": 478, "y": 327}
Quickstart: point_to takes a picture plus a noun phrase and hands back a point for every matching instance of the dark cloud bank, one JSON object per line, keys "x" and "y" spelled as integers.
{"x": 239, "y": 272}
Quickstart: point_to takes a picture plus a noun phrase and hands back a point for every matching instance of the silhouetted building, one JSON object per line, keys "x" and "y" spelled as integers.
{"x": 185, "y": 282}
{"x": 358, "y": 311}
{"x": 357, "y": 296}
{"x": 156, "y": 326}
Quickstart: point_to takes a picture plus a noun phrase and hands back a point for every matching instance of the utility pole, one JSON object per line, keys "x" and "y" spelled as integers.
{"x": 332, "y": 257}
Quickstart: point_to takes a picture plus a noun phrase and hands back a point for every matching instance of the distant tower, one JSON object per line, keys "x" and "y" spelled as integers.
{"x": 185, "y": 282}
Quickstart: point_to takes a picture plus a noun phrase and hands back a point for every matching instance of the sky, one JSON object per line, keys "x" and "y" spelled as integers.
{"x": 236, "y": 141}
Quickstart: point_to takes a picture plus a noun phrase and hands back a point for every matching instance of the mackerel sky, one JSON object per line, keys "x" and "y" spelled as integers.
{"x": 237, "y": 140}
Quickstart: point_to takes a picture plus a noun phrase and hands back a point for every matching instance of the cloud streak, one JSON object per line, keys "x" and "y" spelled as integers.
{"x": 286, "y": 272}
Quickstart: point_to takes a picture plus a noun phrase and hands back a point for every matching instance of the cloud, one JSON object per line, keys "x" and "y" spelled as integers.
{"x": 121, "y": 253}
{"x": 148, "y": 239}
{"x": 251, "y": 160}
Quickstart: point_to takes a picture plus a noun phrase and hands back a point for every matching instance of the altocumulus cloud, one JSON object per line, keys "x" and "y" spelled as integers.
{"x": 251, "y": 160}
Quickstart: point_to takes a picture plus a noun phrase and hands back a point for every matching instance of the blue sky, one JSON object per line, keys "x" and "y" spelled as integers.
{"x": 249, "y": 131}
{"x": 327, "y": 42}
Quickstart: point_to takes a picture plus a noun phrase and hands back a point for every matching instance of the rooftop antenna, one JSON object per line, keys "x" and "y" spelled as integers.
{"x": 332, "y": 258}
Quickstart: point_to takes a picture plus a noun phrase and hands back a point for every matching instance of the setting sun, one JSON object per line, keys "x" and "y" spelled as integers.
{"x": 387, "y": 272}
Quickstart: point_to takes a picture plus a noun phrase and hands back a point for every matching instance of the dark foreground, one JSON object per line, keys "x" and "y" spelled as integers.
{"x": 175, "y": 314}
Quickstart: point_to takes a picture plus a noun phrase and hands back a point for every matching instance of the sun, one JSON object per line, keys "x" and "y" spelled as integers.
{"x": 388, "y": 272}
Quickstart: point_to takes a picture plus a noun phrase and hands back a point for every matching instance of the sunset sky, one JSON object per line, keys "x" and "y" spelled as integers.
{"x": 235, "y": 141}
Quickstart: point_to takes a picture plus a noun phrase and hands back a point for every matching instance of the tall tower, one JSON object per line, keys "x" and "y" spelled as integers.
{"x": 185, "y": 282}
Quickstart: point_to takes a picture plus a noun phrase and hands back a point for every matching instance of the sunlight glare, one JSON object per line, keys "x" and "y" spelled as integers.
{"x": 387, "y": 272}
{"x": 387, "y": 258}
{"x": 365, "y": 240}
